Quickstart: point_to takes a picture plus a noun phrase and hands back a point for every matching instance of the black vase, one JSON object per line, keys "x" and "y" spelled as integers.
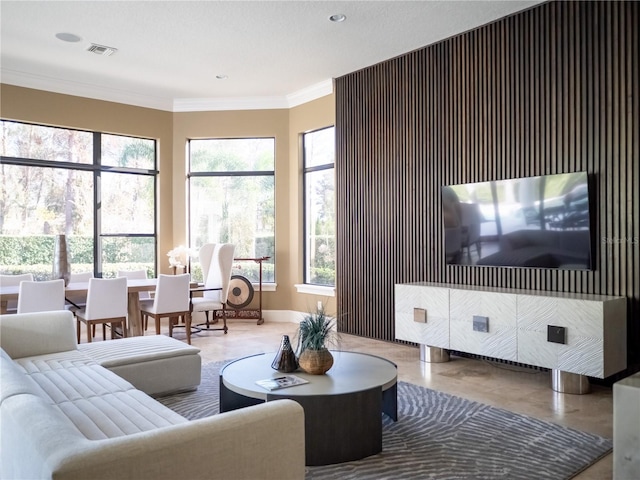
{"x": 285, "y": 360}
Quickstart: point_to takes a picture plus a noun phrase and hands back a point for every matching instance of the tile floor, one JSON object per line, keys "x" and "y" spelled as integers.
{"x": 516, "y": 389}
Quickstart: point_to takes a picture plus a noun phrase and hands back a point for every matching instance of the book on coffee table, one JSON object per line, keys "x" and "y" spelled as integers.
{"x": 284, "y": 381}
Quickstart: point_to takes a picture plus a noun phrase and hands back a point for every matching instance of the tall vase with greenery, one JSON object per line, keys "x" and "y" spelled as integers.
{"x": 315, "y": 333}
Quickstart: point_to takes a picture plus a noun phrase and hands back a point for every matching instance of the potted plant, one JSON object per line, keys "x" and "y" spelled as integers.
{"x": 316, "y": 331}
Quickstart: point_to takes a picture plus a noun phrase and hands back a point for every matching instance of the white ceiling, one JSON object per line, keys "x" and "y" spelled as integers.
{"x": 276, "y": 54}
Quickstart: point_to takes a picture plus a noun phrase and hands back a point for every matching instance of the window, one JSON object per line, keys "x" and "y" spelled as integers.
{"x": 232, "y": 200}
{"x": 319, "y": 211}
{"x": 97, "y": 189}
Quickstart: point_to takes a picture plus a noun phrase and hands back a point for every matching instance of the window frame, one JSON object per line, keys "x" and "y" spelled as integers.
{"x": 269, "y": 284}
{"x": 96, "y": 168}
{"x": 306, "y": 274}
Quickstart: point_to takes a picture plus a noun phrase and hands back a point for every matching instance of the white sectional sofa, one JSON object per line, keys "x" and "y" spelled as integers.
{"x": 65, "y": 416}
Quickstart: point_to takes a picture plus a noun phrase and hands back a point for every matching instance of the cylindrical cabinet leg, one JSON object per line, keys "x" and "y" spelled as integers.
{"x": 433, "y": 354}
{"x": 565, "y": 382}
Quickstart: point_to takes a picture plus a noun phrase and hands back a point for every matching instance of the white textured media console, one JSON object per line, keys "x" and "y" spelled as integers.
{"x": 580, "y": 334}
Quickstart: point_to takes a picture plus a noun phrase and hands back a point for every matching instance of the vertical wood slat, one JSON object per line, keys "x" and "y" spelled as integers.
{"x": 552, "y": 89}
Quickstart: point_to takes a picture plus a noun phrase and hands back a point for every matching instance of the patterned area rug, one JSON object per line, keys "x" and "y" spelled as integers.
{"x": 439, "y": 436}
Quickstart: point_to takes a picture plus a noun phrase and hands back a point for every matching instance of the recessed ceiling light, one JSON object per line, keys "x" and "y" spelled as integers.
{"x": 338, "y": 17}
{"x": 68, "y": 37}
{"x": 222, "y": 77}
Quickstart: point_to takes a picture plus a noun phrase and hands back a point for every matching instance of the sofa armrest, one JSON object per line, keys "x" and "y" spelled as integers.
{"x": 30, "y": 334}
{"x": 265, "y": 441}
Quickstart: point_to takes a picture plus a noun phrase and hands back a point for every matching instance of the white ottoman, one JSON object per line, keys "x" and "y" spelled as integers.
{"x": 155, "y": 364}
{"x": 626, "y": 428}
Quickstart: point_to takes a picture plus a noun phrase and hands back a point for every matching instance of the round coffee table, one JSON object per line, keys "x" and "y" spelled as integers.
{"x": 342, "y": 408}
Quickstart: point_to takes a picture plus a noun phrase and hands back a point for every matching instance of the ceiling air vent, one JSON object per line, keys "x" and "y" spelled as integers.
{"x": 101, "y": 50}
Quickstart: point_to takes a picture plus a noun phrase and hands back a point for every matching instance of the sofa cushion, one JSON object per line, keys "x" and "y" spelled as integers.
{"x": 75, "y": 383}
{"x": 136, "y": 350}
{"x": 30, "y": 334}
{"x": 54, "y": 361}
{"x": 14, "y": 381}
{"x": 121, "y": 413}
{"x": 155, "y": 364}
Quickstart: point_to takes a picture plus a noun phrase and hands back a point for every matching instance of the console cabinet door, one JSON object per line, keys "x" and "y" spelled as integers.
{"x": 585, "y": 324}
{"x": 434, "y": 301}
{"x": 500, "y": 341}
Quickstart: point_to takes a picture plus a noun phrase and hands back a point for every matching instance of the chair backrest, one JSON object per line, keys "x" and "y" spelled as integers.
{"x": 172, "y": 293}
{"x": 41, "y": 296}
{"x": 204, "y": 255}
{"x": 14, "y": 281}
{"x": 80, "y": 277}
{"x": 106, "y": 298}
{"x": 219, "y": 272}
{"x": 136, "y": 275}
{"x": 78, "y": 299}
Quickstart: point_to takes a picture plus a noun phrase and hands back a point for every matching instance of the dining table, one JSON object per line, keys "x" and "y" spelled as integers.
{"x": 134, "y": 287}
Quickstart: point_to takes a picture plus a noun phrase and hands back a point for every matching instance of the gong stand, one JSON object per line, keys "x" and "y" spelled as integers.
{"x": 241, "y": 294}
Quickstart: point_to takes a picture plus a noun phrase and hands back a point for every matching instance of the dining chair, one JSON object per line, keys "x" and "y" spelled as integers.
{"x": 77, "y": 301}
{"x": 171, "y": 300}
{"x": 218, "y": 276}
{"x": 204, "y": 256}
{"x": 14, "y": 281}
{"x": 42, "y": 296}
{"x": 106, "y": 303}
{"x": 144, "y": 298}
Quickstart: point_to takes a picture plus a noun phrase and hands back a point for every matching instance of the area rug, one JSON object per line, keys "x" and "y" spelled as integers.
{"x": 440, "y": 436}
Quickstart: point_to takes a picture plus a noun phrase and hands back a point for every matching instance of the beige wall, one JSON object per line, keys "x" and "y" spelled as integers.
{"x": 172, "y": 130}
{"x": 304, "y": 118}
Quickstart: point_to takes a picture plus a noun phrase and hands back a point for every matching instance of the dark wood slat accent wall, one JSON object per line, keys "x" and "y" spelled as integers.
{"x": 551, "y": 90}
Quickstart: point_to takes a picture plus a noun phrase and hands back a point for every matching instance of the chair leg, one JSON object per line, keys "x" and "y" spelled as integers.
{"x": 89, "y": 336}
{"x": 187, "y": 326}
{"x": 104, "y": 332}
{"x": 157, "y": 325}
{"x": 124, "y": 327}
{"x": 78, "y": 328}
{"x": 224, "y": 318}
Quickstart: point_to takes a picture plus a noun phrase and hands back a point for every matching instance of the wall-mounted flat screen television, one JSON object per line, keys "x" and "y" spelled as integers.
{"x": 537, "y": 222}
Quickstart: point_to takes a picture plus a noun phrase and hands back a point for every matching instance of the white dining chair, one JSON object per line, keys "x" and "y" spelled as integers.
{"x": 218, "y": 275}
{"x": 42, "y": 296}
{"x": 77, "y": 301}
{"x": 14, "y": 281}
{"x": 106, "y": 303}
{"x": 171, "y": 300}
{"x": 143, "y": 297}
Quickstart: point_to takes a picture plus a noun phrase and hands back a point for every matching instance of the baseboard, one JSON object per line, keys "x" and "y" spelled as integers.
{"x": 282, "y": 316}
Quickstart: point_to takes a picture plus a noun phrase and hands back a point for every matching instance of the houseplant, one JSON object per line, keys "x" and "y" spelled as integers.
{"x": 315, "y": 333}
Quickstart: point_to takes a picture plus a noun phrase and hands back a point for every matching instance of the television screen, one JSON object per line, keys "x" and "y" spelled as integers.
{"x": 540, "y": 222}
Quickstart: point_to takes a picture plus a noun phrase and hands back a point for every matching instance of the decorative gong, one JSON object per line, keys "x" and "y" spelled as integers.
{"x": 240, "y": 292}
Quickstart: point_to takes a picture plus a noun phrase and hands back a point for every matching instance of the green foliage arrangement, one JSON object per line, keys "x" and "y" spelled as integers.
{"x": 316, "y": 331}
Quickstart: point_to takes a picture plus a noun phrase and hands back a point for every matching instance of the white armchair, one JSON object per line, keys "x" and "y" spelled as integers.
{"x": 217, "y": 261}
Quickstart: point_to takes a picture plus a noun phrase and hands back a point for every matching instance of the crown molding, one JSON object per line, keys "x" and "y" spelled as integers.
{"x": 310, "y": 93}
{"x": 77, "y": 89}
{"x": 254, "y": 103}
{"x": 230, "y": 103}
